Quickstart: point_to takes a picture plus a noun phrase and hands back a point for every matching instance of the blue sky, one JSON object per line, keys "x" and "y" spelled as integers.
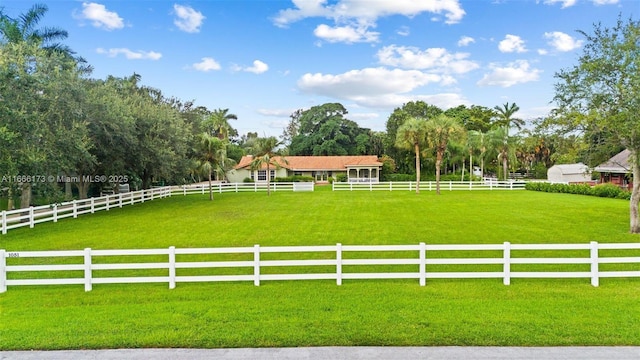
{"x": 264, "y": 59}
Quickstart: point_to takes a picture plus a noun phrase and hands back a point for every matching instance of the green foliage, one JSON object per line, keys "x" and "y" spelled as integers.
{"x": 294, "y": 178}
{"x": 247, "y": 180}
{"x": 602, "y": 190}
{"x": 342, "y": 178}
{"x": 324, "y": 130}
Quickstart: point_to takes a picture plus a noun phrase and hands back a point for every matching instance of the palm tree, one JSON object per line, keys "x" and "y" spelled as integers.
{"x": 439, "y": 131}
{"x": 23, "y": 29}
{"x": 504, "y": 118}
{"x": 265, "y": 153}
{"x": 477, "y": 140}
{"x": 411, "y": 135}
{"x": 209, "y": 148}
{"x": 218, "y": 123}
{"x": 502, "y": 143}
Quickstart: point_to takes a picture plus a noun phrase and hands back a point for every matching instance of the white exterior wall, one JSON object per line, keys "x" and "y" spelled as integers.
{"x": 567, "y": 173}
{"x": 238, "y": 175}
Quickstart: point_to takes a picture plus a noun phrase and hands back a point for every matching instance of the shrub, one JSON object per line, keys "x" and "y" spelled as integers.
{"x": 294, "y": 178}
{"x": 247, "y": 180}
{"x": 342, "y": 178}
{"x": 603, "y": 190}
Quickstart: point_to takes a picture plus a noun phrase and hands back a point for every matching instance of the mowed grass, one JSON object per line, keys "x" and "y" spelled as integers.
{"x": 530, "y": 312}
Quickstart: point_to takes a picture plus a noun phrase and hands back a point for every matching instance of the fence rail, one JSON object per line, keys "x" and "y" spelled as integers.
{"x": 243, "y": 187}
{"x": 430, "y": 185}
{"x": 333, "y": 262}
{"x": 13, "y": 219}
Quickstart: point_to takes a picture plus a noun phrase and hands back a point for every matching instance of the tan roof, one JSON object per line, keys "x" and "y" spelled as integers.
{"x": 309, "y": 163}
{"x": 617, "y": 164}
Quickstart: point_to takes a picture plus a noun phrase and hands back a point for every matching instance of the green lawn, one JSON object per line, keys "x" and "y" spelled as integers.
{"x": 318, "y": 313}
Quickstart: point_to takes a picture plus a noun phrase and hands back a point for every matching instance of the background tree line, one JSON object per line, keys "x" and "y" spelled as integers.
{"x": 57, "y": 120}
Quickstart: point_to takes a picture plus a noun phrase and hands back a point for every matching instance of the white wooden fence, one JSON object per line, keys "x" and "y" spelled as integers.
{"x": 13, "y": 219}
{"x": 243, "y": 187}
{"x": 334, "y": 262}
{"x": 430, "y": 185}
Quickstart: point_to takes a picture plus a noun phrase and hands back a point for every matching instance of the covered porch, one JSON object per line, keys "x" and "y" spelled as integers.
{"x": 363, "y": 174}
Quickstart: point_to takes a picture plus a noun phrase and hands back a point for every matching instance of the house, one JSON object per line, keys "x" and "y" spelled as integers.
{"x": 617, "y": 170}
{"x": 361, "y": 168}
{"x": 569, "y": 173}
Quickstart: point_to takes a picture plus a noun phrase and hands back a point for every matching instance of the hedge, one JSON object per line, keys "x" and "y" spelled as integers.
{"x": 602, "y": 190}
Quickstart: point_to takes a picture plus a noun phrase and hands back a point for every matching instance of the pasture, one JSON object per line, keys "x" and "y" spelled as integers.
{"x": 541, "y": 312}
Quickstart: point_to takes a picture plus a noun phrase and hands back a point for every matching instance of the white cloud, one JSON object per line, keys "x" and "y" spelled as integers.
{"x": 466, "y": 40}
{"x": 129, "y": 54}
{"x": 276, "y": 112}
{"x": 565, "y": 3}
{"x": 543, "y": 52}
{"x": 434, "y": 59}
{"x": 518, "y": 72}
{"x": 207, "y": 64}
{"x": 354, "y": 18}
{"x": 512, "y": 43}
{"x": 346, "y": 34}
{"x": 561, "y": 41}
{"x": 570, "y": 3}
{"x": 368, "y": 11}
{"x": 403, "y": 31}
{"x": 188, "y": 19}
{"x": 365, "y": 82}
{"x": 258, "y": 67}
{"x": 100, "y": 17}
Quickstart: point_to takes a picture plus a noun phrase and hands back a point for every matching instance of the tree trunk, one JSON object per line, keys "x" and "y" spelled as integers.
{"x": 210, "y": 187}
{"x": 25, "y": 196}
{"x": 10, "y": 203}
{"x": 505, "y": 168}
{"x": 635, "y": 195}
{"x": 268, "y": 179}
{"x": 68, "y": 193}
{"x": 83, "y": 189}
{"x": 417, "y": 149}
{"x": 439, "y": 156}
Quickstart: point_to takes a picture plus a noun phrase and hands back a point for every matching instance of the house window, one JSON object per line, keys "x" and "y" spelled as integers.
{"x": 253, "y": 176}
{"x": 297, "y": 173}
{"x": 262, "y": 175}
{"x": 272, "y": 174}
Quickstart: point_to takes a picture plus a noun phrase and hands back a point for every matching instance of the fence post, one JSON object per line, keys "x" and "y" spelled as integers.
{"x": 506, "y": 267}
{"x": 450, "y": 185}
{"x": 338, "y": 264}
{"x": 4, "y": 222}
{"x": 31, "y": 217}
{"x": 219, "y": 188}
{"x": 55, "y": 213}
{"x": 256, "y": 265}
{"x": 172, "y": 267}
{"x": 423, "y": 264}
{"x": 107, "y": 200}
{"x": 120, "y": 199}
{"x": 3, "y": 271}
{"x": 87, "y": 269}
{"x": 595, "y": 280}
{"x": 93, "y": 203}
{"x": 390, "y": 185}
{"x": 142, "y": 194}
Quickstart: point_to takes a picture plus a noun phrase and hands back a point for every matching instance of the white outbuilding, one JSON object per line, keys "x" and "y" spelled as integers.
{"x": 569, "y": 173}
